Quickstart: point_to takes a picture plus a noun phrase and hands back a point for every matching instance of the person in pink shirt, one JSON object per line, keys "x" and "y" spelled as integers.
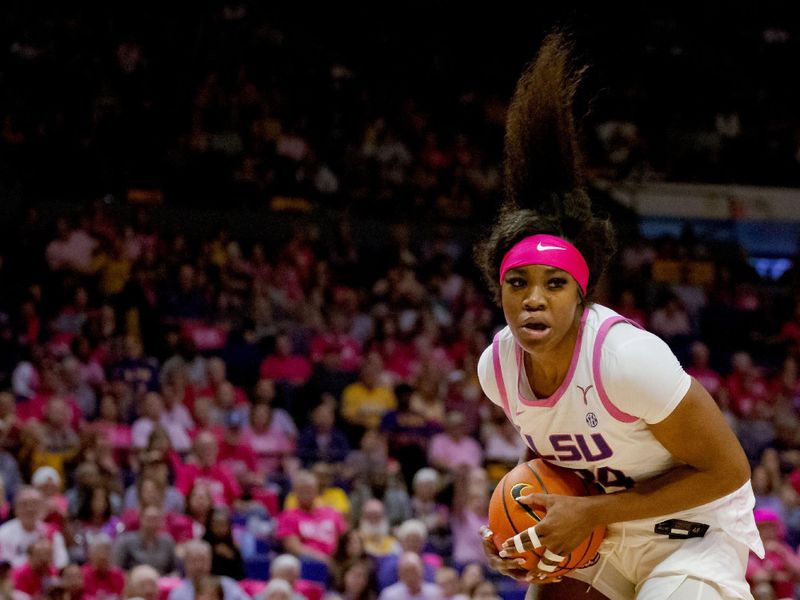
{"x": 283, "y": 365}
{"x": 700, "y": 370}
{"x": 236, "y": 455}
{"x": 108, "y": 424}
{"x": 204, "y": 419}
{"x": 221, "y": 481}
{"x": 747, "y": 390}
{"x": 336, "y": 337}
{"x": 453, "y": 448}
{"x": 101, "y": 579}
{"x": 271, "y": 444}
{"x": 309, "y": 531}
{"x": 217, "y": 373}
{"x": 32, "y": 576}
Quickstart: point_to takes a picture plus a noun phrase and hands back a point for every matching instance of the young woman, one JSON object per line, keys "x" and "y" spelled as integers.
{"x": 590, "y": 391}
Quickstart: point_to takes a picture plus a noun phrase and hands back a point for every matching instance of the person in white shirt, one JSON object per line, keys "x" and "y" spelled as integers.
{"x": 153, "y": 414}
{"x": 411, "y": 586}
{"x": 18, "y": 534}
{"x": 590, "y": 391}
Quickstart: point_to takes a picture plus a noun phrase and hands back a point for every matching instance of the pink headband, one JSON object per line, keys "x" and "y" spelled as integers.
{"x": 547, "y": 250}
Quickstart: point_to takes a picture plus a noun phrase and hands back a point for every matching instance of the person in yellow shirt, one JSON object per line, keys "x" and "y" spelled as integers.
{"x": 366, "y": 401}
{"x": 331, "y": 495}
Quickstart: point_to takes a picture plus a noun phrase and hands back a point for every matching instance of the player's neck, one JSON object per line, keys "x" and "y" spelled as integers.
{"x": 547, "y": 369}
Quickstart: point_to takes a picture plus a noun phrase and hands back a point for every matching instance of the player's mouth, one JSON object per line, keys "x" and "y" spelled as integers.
{"x": 534, "y": 330}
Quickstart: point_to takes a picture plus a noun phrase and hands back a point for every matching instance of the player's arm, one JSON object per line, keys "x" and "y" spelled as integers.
{"x": 697, "y": 435}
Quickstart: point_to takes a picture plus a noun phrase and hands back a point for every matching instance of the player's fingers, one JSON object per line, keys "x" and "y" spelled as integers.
{"x": 543, "y": 500}
{"x": 524, "y": 540}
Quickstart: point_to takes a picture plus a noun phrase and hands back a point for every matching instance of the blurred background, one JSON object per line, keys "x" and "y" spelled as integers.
{"x": 236, "y": 275}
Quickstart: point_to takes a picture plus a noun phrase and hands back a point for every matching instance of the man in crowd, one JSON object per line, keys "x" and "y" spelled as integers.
{"x": 197, "y": 566}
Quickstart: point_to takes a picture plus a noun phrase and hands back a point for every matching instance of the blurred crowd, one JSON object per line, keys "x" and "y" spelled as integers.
{"x": 245, "y": 103}
{"x": 194, "y": 412}
{"x": 182, "y": 411}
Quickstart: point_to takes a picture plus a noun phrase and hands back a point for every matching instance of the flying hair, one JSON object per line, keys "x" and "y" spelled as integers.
{"x": 544, "y": 177}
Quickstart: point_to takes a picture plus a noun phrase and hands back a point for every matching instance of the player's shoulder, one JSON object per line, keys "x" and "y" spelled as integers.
{"x": 616, "y": 333}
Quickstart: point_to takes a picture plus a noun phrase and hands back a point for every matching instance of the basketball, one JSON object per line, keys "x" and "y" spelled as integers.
{"x": 508, "y": 516}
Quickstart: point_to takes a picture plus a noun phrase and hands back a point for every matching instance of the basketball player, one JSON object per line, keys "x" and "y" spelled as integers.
{"x": 590, "y": 391}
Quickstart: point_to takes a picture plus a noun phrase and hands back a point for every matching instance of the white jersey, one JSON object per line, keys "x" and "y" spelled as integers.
{"x": 621, "y": 380}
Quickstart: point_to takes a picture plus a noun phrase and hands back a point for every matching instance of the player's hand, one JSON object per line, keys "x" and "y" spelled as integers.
{"x": 567, "y": 523}
{"x": 510, "y": 567}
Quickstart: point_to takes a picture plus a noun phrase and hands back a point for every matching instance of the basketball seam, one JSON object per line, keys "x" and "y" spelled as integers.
{"x": 505, "y": 508}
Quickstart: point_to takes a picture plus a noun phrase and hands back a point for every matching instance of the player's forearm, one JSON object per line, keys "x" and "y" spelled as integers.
{"x": 680, "y": 488}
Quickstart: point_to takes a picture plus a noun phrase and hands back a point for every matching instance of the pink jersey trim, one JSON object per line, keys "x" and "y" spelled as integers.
{"x": 601, "y": 391}
{"x": 556, "y": 396}
{"x": 498, "y": 375}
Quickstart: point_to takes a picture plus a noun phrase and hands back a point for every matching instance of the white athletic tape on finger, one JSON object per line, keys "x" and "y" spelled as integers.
{"x": 542, "y": 566}
{"x": 534, "y": 538}
{"x": 518, "y": 543}
{"x": 552, "y": 556}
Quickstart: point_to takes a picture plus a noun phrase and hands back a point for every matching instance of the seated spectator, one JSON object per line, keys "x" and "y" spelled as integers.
{"x": 426, "y": 508}
{"x": 225, "y": 556}
{"x": 277, "y": 589}
{"x": 502, "y": 444}
{"x": 100, "y": 577}
{"x": 357, "y": 581}
{"x": 485, "y": 590}
{"x": 199, "y": 507}
{"x": 139, "y": 372}
{"x": 52, "y": 442}
{"x": 268, "y": 440}
{"x": 470, "y": 513}
{"x": 217, "y": 376}
{"x": 472, "y": 575}
{"x": 76, "y": 388}
{"x": 349, "y": 549}
{"x": 412, "y": 535}
{"x": 196, "y": 566}
{"x": 149, "y": 545}
{"x": 205, "y": 419}
{"x": 452, "y": 448}
{"x": 94, "y": 517}
{"x": 309, "y": 531}
{"x": 142, "y": 583}
{"x": 374, "y": 529}
{"x": 322, "y": 441}
{"x": 428, "y": 397}
{"x": 48, "y": 482}
{"x": 110, "y": 425}
{"x": 152, "y": 416}
{"x": 286, "y": 567}
{"x": 332, "y": 496}
{"x": 173, "y": 392}
{"x": 205, "y": 467}
{"x": 407, "y": 432}
{"x": 32, "y": 576}
{"x": 17, "y": 535}
{"x": 72, "y": 582}
{"x": 411, "y": 583}
{"x": 335, "y": 339}
{"x": 264, "y": 393}
{"x": 237, "y": 456}
{"x": 628, "y": 307}
{"x": 366, "y": 401}
{"x": 780, "y": 566}
{"x": 285, "y": 366}
{"x": 700, "y": 369}
{"x": 766, "y": 481}
{"x": 159, "y": 489}
{"x": 448, "y": 581}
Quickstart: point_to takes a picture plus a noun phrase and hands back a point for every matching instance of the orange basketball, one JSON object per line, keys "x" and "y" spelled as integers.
{"x": 507, "y": 516}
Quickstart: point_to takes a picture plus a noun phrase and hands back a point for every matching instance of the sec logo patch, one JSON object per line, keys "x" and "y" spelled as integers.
{"x": 591, "y": 419}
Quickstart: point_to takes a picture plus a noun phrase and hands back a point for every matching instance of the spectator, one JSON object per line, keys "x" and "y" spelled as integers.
{"x": 149, "y": 545}
{"x": 780, "y": 566}
{"x": 277, "y": 589}
{"x": 33, "y": 576}
{"x": 331, "y": 496}
{"x": 94, "y": 517}
{"x": 197, "y": 565}
{"x": 286, "y": 568}
{"x": 17, "y": 535}
{"x": 358, "y": 581}
{"x": 142, "y": 583}
{"x": 153, "y": 416}
{"x": 206, "y": 468}
{"x": 453, "y": 449}
{"x": 225, "y": 558}
{"x": 426, "y": 508}
{"x": 485, "y": 590}
{"x": 284, "y": 366}
{"x": 101, "y": 578}
{"x": 268, "y": 440}
{"x": 411, "y": 584}
{"x": 48, "y": 482}
{"x": 700, "y": 369}
{"x": 412, "y": 536}
{"x": 470, "y": 513}
{"x": 448, "y": 581}
{"x": 309, "y": 531}
{"x": 73, "y": 582}
{"x": 321, "y": 441}
{"x": 374, "y": 529}
{"x": 366, "y": 401}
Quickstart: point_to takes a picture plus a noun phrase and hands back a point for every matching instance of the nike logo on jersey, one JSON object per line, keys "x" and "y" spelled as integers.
{"x": 541, "y": 247}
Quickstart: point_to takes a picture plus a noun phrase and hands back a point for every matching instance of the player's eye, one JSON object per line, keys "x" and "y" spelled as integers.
{"x": 556, "y": 282}
{"x": 516, "y": 282}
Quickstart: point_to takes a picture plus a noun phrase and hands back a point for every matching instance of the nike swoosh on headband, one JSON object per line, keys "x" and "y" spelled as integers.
{"x": 540, "y": 247}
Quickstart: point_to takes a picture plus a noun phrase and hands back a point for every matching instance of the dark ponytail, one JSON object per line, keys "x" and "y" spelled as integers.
{"x": 544, "y": 175}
